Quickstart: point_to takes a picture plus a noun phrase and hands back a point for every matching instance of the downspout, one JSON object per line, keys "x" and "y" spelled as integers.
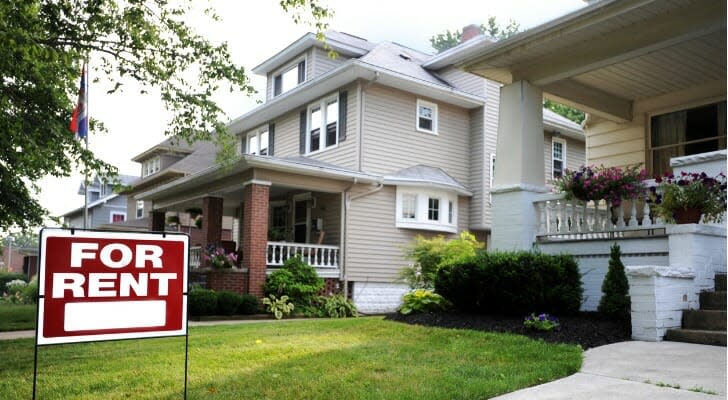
{"x": 346, "y": 199}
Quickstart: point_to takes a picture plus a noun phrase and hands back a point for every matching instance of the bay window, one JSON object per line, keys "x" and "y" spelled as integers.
{"x": 426, "y": 209}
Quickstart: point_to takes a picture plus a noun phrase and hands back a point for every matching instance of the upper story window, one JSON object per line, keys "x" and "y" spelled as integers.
{"x": 681, "y": 133}
{"x": 257, "y": 142}
{"x": 426, "y": 209}
{"x": 151, "y": 166}
{"x": 558, "y": 157}
{"x": 289, "y": 77}
{"x": 139, "y": 209}
{"x": 323, "y": 124}
{"x": 426, "y": 116}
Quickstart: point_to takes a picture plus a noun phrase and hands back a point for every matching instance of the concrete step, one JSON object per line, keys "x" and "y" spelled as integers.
{"x": 713, "y": 338}
{"x": 710, "y": 320}
{"x": 720, "y": 282}
{"x": 713, "y": 301}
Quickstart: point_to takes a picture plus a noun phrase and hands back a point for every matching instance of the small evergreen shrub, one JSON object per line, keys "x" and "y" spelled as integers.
{"x": 6, "y": 277}
{"x": 248, "y": 305}
{"x": 512, "y": 283}
{"x": 202, "y": 302}
{"x": 297, "y": 280}
{"x": 422, "y": 300}
{"x": 615, "y": 303}
{"x": 228, "y": 303}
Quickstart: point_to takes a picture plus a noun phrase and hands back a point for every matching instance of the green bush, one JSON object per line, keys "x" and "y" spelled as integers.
{"x": 337, "y": 306}
{"x": 30, "y": 293}
{"x": 297, "y": 280}
{"x": 202, "y": 302}
{"x": 615, "y": 303}
{"x": 422, "y": 300}
{"x": 278, "y": 307}
{"x": 428, "y": 255}
{"x": 6, "y": 277}
{"x": 512, "y": 283}
{"x": 228, "y": 303}
{"x": 248, "y": 305}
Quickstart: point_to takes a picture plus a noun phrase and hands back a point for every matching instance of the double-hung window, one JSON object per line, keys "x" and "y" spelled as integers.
{"x": 257, "y": 142}
{"x": 323, "y": 125}
{"x": 558, "y": 157}
{"x": 291, "y": 76}
{"x": 426, "y": 116}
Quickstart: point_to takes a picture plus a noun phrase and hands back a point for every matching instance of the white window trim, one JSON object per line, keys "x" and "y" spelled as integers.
{"x": 258, "y": 132}
{"x": 421, "y": 221}
{"x": 283, "y": 70}
{"x": 435, "y": 116}
{"x": 151, "y": 166}
{"x": 563, "y": 155}
{"x": 322, "y": 129}
{"x": 111, "y": 215}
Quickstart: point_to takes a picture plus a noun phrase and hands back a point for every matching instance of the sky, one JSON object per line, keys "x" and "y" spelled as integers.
{"x": 257, "y": 29}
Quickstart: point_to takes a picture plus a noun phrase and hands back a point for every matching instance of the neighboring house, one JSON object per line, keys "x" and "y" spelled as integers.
{"x": 652, "y": 76}
{"x": 350, "y": 158}
{"x": 104, "y": 206}
{"x": 160, "y": 164}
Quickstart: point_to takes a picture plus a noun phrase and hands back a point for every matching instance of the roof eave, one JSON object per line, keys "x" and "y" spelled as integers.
{"x": 388, "y": 180}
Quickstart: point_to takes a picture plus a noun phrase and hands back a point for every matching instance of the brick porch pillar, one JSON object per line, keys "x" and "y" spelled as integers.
{"x": 255, "y": 234}
{"x": 211, "y": 220}
{"x": 156, "y": 221}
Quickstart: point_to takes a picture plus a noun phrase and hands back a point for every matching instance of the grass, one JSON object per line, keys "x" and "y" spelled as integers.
{"x": 364, "y": 358}
{"x": 17, "y": 317}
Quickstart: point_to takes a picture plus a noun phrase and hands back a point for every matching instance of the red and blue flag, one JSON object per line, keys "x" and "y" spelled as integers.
{"x": 79, "y": 119}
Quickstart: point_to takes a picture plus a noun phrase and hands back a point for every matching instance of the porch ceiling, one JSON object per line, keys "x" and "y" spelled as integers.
{"x": 606, "y": 56}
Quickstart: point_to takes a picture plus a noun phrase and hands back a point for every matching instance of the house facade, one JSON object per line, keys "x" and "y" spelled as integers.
{"x": 652, "y": 76}
{"x": 350, "y": 158}
{"x": 104, "y": 206}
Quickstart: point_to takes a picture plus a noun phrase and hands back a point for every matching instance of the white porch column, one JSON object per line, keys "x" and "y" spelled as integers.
{"x": 519, "y": 167}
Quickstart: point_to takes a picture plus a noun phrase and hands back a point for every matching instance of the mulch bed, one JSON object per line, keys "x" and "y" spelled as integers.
{"x": 587, "y": 329}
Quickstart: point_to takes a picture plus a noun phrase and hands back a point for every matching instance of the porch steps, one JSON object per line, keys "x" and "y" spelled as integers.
{"x": 708, "y": 324}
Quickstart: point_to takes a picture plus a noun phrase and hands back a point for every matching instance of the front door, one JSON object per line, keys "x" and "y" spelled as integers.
{"x": 301, "y": 221}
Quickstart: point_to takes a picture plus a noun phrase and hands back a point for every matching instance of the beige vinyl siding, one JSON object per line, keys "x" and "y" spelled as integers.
{"x": 287, "y": 135}
{"x": 328, "y": 208}
{"x": 390, "y": 141}
{"x": 490, "y": 134}
{"x": 321, "y": 62}
{"x": 374, "y": 246}
{"x": 614, "y": 144}
{"x": 478, "y": 162}
{"x": 464, "y": 81}
{"x": 575, "y": 155}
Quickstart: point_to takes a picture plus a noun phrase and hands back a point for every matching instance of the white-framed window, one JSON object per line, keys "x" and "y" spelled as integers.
{"x": 322, "y": 130}
{"x": 289, "y": 76}
{"x": 257, "y": 142}
{"x": 117, "y": 216}
{"x": 151, "y": 166}
{"x": 426, "y": 116}
{"x": 426, "y": 209}
{"x": 558, "y": 157}
{"x": 140, "y": 209}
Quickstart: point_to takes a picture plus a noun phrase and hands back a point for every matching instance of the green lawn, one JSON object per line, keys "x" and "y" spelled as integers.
{"x": 364, "y": 358}
{"x": 17, "y": 317}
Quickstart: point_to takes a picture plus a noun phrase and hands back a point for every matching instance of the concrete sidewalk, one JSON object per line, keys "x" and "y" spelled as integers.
{"x": 640, "y": 370}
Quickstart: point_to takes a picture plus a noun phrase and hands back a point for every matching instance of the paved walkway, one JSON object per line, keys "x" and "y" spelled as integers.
{"x": 640, "y": 370}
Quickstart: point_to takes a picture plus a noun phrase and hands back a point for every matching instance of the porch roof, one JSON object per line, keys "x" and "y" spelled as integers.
{"x": 604, "y": 57}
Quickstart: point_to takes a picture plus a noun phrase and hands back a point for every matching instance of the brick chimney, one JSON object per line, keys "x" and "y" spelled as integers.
{"x": 469, "y": 32}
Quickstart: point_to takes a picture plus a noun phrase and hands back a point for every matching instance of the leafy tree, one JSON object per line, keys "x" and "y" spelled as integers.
{"x": 42, "y": 46}
{"x": 615, "y": 302}
{"x": 448, "y": 39}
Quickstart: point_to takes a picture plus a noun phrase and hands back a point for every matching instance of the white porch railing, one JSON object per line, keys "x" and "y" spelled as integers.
{"x": 316, "y": 255}
{"x": 195, "y": 257}
{"x": 562, "y": 219}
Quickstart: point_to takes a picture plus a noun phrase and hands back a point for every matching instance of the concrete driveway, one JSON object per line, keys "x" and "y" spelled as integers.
{"x": 640, "y": 370}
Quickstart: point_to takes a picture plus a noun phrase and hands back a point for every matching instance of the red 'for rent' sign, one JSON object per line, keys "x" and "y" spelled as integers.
{"x": 111, "y": 285}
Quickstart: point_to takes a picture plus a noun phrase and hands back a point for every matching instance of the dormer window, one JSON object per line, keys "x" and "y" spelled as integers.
{"x": 151, "y": 166}
{"x": 289, "y": 77}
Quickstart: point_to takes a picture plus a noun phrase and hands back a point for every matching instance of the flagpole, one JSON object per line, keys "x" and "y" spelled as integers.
{"x": 85, "y": 179}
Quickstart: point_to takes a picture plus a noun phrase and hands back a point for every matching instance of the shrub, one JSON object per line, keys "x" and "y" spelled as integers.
{"x": 337, "y": 306}
{"x": 429, "y": 254}
{"x": 615, "y": 302}
{"x": 228, "y": 303}
{"x": 512, "y": 283}
{"x": 202, "y": 302}
{"x": 422, "y": 300}
{"x": 278, "y": 307}
{"x": 15, "y": 290}
{"x": 30, "y": 293}
{"x": 248, "y": 305}
{"x": 6, "y": 277}
{"x": 297, "y": 280}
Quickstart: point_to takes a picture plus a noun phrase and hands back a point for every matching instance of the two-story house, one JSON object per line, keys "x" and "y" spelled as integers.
{"x": 104, "y": 206}
{"x": 350, "y": 158}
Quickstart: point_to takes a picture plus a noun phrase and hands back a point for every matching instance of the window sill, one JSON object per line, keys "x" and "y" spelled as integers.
{"x": 418, "y": 129}
{"x": 313, "y": 153}
{"x": 426, "y": 226}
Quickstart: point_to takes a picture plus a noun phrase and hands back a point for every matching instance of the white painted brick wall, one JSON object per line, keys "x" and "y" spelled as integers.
{"x": 377, "y": 297}
{"x": 701, "y": 248}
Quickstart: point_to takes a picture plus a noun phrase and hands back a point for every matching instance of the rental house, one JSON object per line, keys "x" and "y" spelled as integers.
{"x": 652, "y": 76}
{"x": 104, "y": 206}
{"x": 348, "y": 160}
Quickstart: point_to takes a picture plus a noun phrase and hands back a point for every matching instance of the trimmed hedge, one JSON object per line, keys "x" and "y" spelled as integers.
{"x": 512, "y": 283}
{"x": 209, "y": 302}
{"x": 202, "y": 302}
